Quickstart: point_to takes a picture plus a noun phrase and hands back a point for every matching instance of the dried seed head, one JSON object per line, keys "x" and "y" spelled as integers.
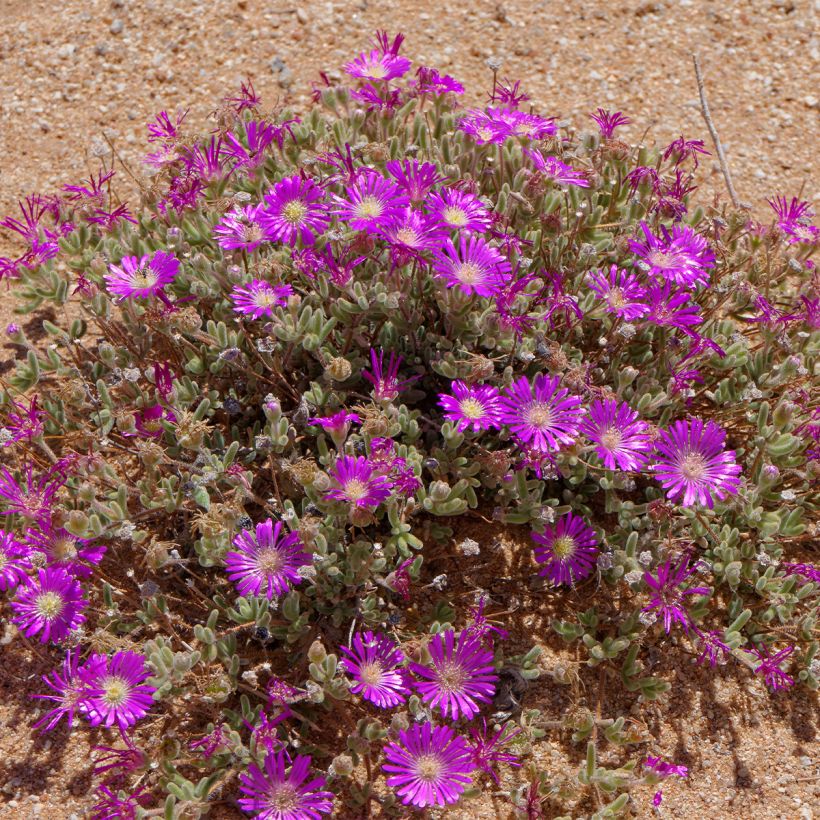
{"x": 338, "y": 369}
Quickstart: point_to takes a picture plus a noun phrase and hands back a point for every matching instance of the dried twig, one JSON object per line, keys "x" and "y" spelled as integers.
{"x": 704, "y": 108}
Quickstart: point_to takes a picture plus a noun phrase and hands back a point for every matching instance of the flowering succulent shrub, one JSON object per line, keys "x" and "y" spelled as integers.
{"x": 280, "y": 386}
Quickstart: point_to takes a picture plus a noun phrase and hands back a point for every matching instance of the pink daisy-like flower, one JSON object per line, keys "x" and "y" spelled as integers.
{"x": 378, "y": 65}
{"x": 141, "y": 277}
{"x": 32, "y": 498}
{"x": 374, "y": 661}
{"x": 281, "y": 789}
{"x": 793, "y": 218}
{"x": 241, "y": 228}
{"x": 148, "y": 421}
{"x": 116, "y": 690}
{"x": 412, "y": 233}
{"x": 258, "y": 298}
{"x": 459, "y": 210}
{"x": 431, "y": 82}
{"x": 266, "y": 561}
{"x": 522, "y": 124}
{"x": 477, "y": 406}
{"x": 486, "y": 749}
{"x": 460, "y": 676}
{"x": 386, "y": 382}
{"x": 249, "y": 154}
{"x": 559, "y": 172}
{"x": 667, "y": 596}
{"x": 356, "y": 483}
{"x": 415, "y": 178}
{"x": 681, "y": 257}
{"x": 483, "y": 128}
{"x": 621, "y": 292}
{"x": 62, "y": 549}
{"x": 50, "y": 605}
{"x": 671, "y": 307}
{"x": 607, "y": 122}
{"x": 337, "y": 425}
{"x": 371, "y": 200}
{"x": 769, "y": 667}
{"x": 692, "y": 464}
{"x": 13, "y": 561}
{"x": 621, "y": 436}
{"x": 22, "y": 423}
{"x": 69, "y": 691}
{"x": 428, "y": 766}
{"x": 567, "y": 550}
{"x": 473, "y": 267}
{"x": 541, "y": 415}
{"x": 293, "y": 210}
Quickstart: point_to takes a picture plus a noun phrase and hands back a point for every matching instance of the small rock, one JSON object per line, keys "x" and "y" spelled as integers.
{"x": 117, "y": 26}
{"x": 805, "y": 761}
{"x": 67, "y": 50}
{"x": 301, "y": 15}
{"x": 811, "y": 101}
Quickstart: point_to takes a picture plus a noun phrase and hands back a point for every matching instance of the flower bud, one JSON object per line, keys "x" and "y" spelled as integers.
{"x": 77, "y": 523}
{"x": 317, "y": 652}
{"x": 439, "y": 491}
{"x": 342, "y": 765}
{"x": 338, "y": 369}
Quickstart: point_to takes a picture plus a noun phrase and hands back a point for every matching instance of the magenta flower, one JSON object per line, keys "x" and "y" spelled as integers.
{"x": 162, "y": 129}
{"x": 486, "y": 750}
{"x": 50, "y": 605}
{"x": 90, "y": 193}
{"x": 483, "y": 128}
{"x": 429, "y": 766}
{"x": 378, "y": 65}
{"x": 473, "y": 267}
{"x": 431, "y": 82}
{"x": 62, "y": 549}
{"x": 386, "y": 383}
{"x": 148, "y": 421}
{"x": 680, "y": 149}
{"x": 663, "y": 769}
{"x": 374, "y": 662}
{"x": 69, "y": 692}
{"x": 619, "y": 433}
{"x": 769, "y": 667}
{"x": 712, "y": 647}
{"x": 141, "y": 277}
{"x": 794, "y": 219}
{"x": 205, "y": 161}
{"x": 251, "y": 153}
{"x": 477, "y": 407}
{"x": 337, "y": 425}
{"x": 266, "y": 561}
{"x": 693, "y": 464}
{"x": 460, "y": 675}
{"x": 241, "y": 228}
{"x": 356, "y": 483}
{"x": 412, "y": 233}
{"x": 559, "y": 172}
{"x": 116, "y": 763}
{"x": 276, "y": 792}
{"x": 608, "y": 122}
{"x": 13, "y": 561}
{"x": 481, "y": 628}
{"x": 415, "y": 178}
{"x": 670, "y": 307}
{"x": 116, "y": 689}
{"x": 370, "y": 201}
{"x": 667, "y": 597}
{"x": 567, "y": 550}
{"x": 459, "y": 210}
{"x": 622, "y": 293}
{"x": 541, "y": 415}
{"x": 22, "y": 423}
{"x": 681, "y": 257}
{"x": 110, "y": 806}
{"x": 258, "y": 298}
{"x": 294, "y": 209}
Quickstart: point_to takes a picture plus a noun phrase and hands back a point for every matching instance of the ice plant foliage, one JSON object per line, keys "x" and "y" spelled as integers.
{"x": 310, "y": 421}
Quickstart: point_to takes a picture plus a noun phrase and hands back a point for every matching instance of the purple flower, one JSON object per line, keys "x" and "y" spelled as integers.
{"x": 483, "y": 128}
{"x": 692, "y": 463}
{"x": 205, "y": 162}
{"x": 337, "y": 425}
{"x": 540, "y": 414}
{"x": 680, "y": 149}
{"x": 357, "y": 484}
{"x": 370, "y": 201}
{"x": 621, "y": 291}
{"x": 140, "y": 277}
{"x": 92, "y": 192}
{"x": 246, "y": 98}
{"x": 460, "y": 675}
{"x": 619, "y": 433}
{"x": 412, "y": 233}
{"x": 386, "y": 384}
{"x": 769, "y": 667}
{"x": 567, "y": 550}
{"x": 148, "y": 421}
{"x": 807, "y": 571}
{"x": 712, "y": 648}
{"x": 108, "y": 220}
{"x": 667, "y": 597}
{"x": 670, "y": 307}
{"x": 110, "y": 806}
{"x": 662, "y": 769}
{"x": 118, "y": 761}
{"x": 276, "y": 792}
{"x": 480, "y": 626}
{"x": 429, "y": 766}
{"x": 258, "y": 298}
{"x": 116, "y": 689}
{"x": 681, "y": 257}
{"x": 793, "y": 218}
{"x": 477, "y": 407}
{"x": 486, "y": 750}
{"x": 608, "y": 122}
{"x": 521, "y": 124}
{"x": 559, "y": 172}
{"x": 373, "y": 661}
{"x": 162, "y": 129}
{"x": 13, "y": 561}
{"x": 241, "y": 229}
{"x": 69, "y": 691}
{"x": 215, "y": 741}
{"x": 50, "y": 605}
{"x": 266, "y": 561}
{"x": 415, "y": 178}
{"x": 378, "y": 66}
{"x": 431, "y": 82}
{"x": 294, "y": 209}
{"x": 251, "y": 153}
{"x": 473, "y": 267}
{"x": 459, "y": 210}
{"x": 62, "y": 549}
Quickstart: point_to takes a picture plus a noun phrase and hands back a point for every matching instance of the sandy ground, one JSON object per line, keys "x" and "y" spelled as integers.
{"x": 71, "y": 75}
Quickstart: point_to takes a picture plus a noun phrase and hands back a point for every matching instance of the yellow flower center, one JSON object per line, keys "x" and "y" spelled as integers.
{"x": 468, "y": 273}
{"x": 451, "y": 676}
{"x": 471, "y": 408}
{"x": 564, "y": 546}
{"x": 377, "y": 71}
{"x": 539, "y": 415}
{"x": 49, "y": 605}
{"x": 693, "y": 467}
{"x": 454, "y": 216}
{"x": 270, "y": 561}
{"x": 611, "y": 439}
{"x": 355, "y": 489}
{"x": 407, "y": 236}
{"x": 371, "y": 673}
{"x": 115, "y": 690}
{"x": 370, "y": 207}
{"x": 252, "y": 233}
{"x": 64, "y": 548}
{"x": 265, "y": 298}
{"x": 144, "y": 278}
{"x": 294, "y": 212}
{"x": 616, "y": 298}
{"x": 428, "y": 768}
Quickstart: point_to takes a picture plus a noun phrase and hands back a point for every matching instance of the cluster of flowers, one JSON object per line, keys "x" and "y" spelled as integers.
{"x": 414, "y": 262}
